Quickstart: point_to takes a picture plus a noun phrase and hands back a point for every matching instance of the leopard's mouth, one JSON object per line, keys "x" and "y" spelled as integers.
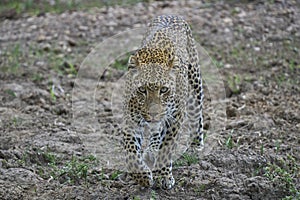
{"x": 153, "y": 118}
{"x": 152, "y": 121}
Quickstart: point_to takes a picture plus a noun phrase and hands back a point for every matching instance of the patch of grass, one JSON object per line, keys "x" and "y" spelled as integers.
{"x": 280, "y": 78}
{"x": 11, "y": 93}
{"x": 35, "y": 7}
{"x": 153, "y": 195}
{"x": 17, "y": 121}
{"x": 262, "y": 149}
{"x": 70, "y": 68}
{"x": 186, "y": 159}
{"x": 277, "y": 145}
{"x": 218, "y": 63}
{"x": 293, "y": 65}
{"x": 199, "y": 190}
{"x": 73, "y": 170}
{"x": 234, "y": 83}
{"x": 121, "y": 62}
{"x": 37, "y": 77}
{"x": 229, "y": 142}
{"x": 235, "y": 53}
{"x": 12, "y": 59}
{"x": 52, "y": 93}
{"x": 25, "y": 156}
{"x": 115, "y": 175}
{"x": 60, "y": 62}
{"x": 284, "y": 174}
{"x": 50, "y": 166}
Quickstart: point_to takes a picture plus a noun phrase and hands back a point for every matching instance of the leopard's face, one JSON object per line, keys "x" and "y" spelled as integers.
{"x": 153, "y": 98}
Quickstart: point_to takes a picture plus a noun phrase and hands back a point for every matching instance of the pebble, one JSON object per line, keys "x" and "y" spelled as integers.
{"x": 256, "y": 48}
{"x": 227, "y": 20}
{"x": 83, "y": 28}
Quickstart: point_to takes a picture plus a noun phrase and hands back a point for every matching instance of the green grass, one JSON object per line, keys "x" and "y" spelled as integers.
{"x": 262, "y": 149}
{"x": 71, "y": 171}
{"x": 12, "y": 59}
{"x": 52, "y": 93}
{"x": 284, "y": 174}
{"x": 234, "y": 83}
{"x": 186, "y": 159}
{"x": 218, "y": 63}
{"x": 15, "y": 56}
{"x": 51, "y": 166}
{"x": 229, "y": 142}
{"x": 74, "y": 170}
{"x": 10, "y": 93}
{"x": 70, "y": 68}
{"x": 17, "y": 121}
{"x": 115, "y": 175}
{"x": 121, "y": 62}
{"x": 200, "y": 189}
{"x": 36, "y": 7}
{"x": 37, "y": 77}
{"x": 153, "y": 195}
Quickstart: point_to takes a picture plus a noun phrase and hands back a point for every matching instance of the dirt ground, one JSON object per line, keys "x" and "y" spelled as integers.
{"x": 52, "y": 146}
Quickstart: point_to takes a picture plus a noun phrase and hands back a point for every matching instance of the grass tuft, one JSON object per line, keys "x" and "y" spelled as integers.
{"x": 186, "y": 160}
{"x": 284, "y": 174}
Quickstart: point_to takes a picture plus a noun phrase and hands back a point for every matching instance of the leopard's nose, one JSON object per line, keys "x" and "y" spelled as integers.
{"x": 154, "y": 110}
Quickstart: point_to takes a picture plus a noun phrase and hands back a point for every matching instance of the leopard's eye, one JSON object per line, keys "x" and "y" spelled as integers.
{"x": 142, "y": 89}
{"x": 164, "y": 90}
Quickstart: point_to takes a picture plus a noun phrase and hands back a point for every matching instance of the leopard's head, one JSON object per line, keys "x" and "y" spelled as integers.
{"x": 153, "y": 88}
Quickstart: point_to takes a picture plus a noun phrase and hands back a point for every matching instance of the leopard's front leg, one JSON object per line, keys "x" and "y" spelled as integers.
{"x": 163, "y": 165}
{"x": 136, "y": 167}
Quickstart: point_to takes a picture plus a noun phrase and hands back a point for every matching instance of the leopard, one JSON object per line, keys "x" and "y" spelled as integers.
{"x": 163, "y": 97}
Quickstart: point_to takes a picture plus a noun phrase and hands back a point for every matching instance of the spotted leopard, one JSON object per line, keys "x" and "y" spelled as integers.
{"x": 163, "y": 93}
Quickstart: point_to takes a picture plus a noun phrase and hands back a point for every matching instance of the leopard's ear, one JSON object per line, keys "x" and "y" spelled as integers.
{"x": 132, "y": 62}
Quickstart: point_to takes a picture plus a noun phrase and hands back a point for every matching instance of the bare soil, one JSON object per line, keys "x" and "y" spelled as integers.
{"x": 255, "y": 155}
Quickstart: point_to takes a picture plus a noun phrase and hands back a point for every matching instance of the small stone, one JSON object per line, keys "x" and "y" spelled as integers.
{"x": 41, "y": 38}
{"x": 227, "y": 66}
{"x": 33, "y": 27}
{"x": 227, "y": 30}
{"x": 256, "y": 48}
{"x": 227, "y": 20}
{"x": 265, "y": 91}
{"x": 83, "y": 28}
{"x": 111, "y": 23}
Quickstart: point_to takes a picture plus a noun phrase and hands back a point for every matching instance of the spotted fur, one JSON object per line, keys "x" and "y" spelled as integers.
{"x": 163, "y": 93}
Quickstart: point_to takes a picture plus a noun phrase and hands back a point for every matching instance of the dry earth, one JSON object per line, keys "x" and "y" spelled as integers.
{"x": 254, "y": 154}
